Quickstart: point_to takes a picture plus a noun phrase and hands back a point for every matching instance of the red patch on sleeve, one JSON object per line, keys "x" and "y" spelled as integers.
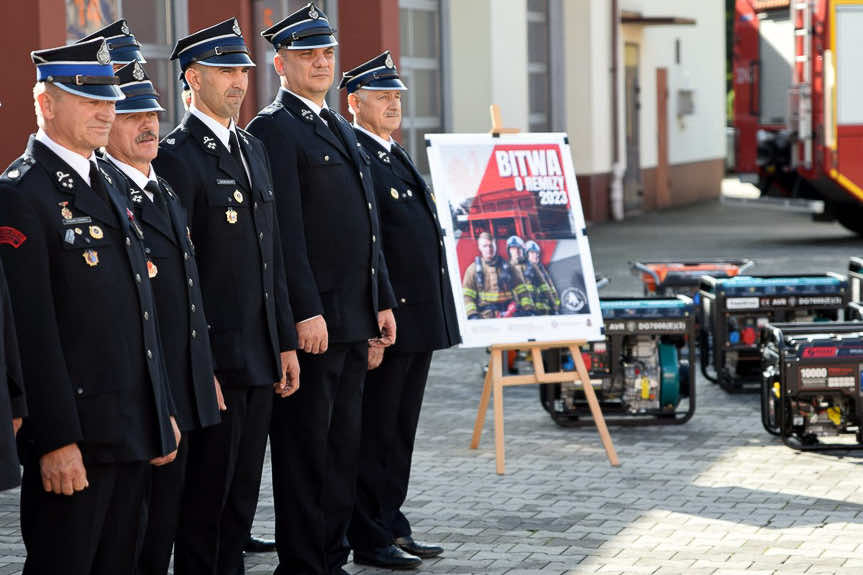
{"x": 11, "y": 236}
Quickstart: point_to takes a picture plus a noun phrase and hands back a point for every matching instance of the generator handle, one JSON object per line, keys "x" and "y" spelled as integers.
{"x": 643, "y": 268}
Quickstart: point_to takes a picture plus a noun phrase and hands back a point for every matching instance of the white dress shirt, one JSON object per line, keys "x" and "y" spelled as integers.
{"x": 221, "y": 132}
{"x": 76, "y": 161}
{"x": 387, "y": 144}
{"x": 312, "y": 106}
{"x": 140, "y": 179}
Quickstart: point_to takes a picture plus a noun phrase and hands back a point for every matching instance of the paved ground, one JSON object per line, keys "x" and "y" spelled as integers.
{"x": 715, "y": 496}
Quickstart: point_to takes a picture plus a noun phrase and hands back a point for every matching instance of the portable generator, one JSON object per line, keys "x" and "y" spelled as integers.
{"x": 640, "y": 372}
{"x": 811, "y": 384}
{"x": 855, "y": 279}
{"x": 733, "y": 310}
{"x": 673, "y": 277}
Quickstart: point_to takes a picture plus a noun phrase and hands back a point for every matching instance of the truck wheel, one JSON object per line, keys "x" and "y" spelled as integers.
{"x": 851, "y": 217}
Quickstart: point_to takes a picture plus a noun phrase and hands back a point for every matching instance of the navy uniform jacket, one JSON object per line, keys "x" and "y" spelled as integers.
{"x": 412, "y": 241}
{"x": 330, "y": 228}
{"x": 12, "y": 400}
{"x": 182, "y": 324}
{"x": 235, "y": 233}
{"x": 84, "y": 313}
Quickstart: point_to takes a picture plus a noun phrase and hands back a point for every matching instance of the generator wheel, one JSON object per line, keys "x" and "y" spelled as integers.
{"x": 565, "y": 420}
{"x": 850, "y": 216}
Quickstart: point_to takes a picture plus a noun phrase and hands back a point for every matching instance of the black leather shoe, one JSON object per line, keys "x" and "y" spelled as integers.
{"x": 421, "y": 550}
{"x": 255, "y": 545}
{"x": 390, "y": 557}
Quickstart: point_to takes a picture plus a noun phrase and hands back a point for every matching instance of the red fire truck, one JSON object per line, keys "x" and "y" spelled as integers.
{"x": 798, "y": 114}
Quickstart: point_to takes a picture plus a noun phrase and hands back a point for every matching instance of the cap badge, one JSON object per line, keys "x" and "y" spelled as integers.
{"x": 389, "y": 61}
{"x": 138, "y": 72}
{"x": 313, "y": 14}
{"x": 237, "y": 30}
{"x": 103, "y": 55}
{"x": 124, "y": 28}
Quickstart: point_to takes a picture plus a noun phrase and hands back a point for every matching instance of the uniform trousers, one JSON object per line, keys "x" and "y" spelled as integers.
{"x": 92, "y": 532}
{"x": 223, "y": 479}
{"x": 392, "y": 398}
{"x": 314, "y": 443}
{"x": 162, "y": 513}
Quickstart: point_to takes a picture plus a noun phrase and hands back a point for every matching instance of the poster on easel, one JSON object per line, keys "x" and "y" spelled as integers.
{"x": 515, "y": 235}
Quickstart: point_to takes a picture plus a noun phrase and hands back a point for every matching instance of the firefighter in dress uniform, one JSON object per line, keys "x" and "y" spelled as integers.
{"x": 132, "y": 146}
{"x": 13, "y": 403}
{"x": 412, "y": 241}
{"x": 100, "y": 409}
{"x": 223, "y": 178}
{"x": 340, "y": 295}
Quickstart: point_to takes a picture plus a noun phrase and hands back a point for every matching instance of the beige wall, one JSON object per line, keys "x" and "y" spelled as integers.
{"x": 700, "y": 136}
{"x": 488, "y": 63}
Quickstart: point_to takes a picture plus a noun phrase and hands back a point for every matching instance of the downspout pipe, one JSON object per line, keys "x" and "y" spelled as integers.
{"x": 617, "y": 167}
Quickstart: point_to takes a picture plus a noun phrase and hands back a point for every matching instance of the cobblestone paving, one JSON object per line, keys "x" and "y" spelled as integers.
{"x": 717, "y": 495}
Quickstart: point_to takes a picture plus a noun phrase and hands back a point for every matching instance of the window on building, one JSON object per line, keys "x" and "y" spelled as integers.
{"x": 538, "y": 77}
{"x": 420, "y": 68}
{"x": 267, "y": 13}
{"x": 154, "y": 25}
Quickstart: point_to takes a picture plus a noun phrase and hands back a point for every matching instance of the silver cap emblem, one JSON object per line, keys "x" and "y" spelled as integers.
{"x": 313, "y": 14}
{"x": 124, "y": 28}
{"x": 103, "y": 55}
{"x": 389, "y": 61}
{"x": 138, "y": 72}
{"x": 237, "y": 30}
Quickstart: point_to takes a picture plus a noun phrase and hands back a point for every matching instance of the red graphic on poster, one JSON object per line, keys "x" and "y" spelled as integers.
{"x": 523, "y": 193}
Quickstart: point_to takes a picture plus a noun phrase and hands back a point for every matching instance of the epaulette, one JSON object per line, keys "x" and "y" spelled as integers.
{"x": 17, "y": 169}
{"x": 271, "y": 109}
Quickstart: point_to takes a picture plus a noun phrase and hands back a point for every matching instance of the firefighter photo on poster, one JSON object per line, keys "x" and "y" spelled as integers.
{"x": 515, "y": 234}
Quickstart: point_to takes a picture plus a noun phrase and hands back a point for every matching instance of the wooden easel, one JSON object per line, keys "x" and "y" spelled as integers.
{"x": 496, "y": 128}
{"x": 495, "y": 381}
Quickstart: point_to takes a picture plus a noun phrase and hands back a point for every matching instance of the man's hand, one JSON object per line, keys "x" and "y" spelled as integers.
{"x": 17, "y": 422}
{"x": 312, "y": 335}
{"x": 290, "y": 374}
{"x": 220, "y": 399}
{"x": 387, "y": 326}
{"x": 376, "y": 355}
{"x": 63, "y": 470}
{"x": 166, "y": 459}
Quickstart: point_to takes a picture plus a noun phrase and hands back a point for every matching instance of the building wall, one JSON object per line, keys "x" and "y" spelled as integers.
{"x": 488, "y": 63}
{"x": 700, "y": 136}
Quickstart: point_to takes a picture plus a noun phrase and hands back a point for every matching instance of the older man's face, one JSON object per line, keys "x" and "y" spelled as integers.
{"x": 135, "y": 137}
{"x": 79, "y": 123}
{"x": 379, "y": 111}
